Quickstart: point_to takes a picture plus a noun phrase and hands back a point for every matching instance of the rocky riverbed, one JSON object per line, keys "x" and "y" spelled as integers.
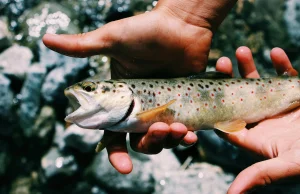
{"x": 39, "y": 153}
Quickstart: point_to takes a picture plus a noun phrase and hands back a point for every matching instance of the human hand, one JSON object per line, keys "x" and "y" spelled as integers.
{"x": 172, "y": 40}
{"x": 276, "y": 139}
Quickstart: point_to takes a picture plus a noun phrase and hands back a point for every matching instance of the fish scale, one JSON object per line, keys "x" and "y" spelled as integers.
{"x": 198, "y": 103}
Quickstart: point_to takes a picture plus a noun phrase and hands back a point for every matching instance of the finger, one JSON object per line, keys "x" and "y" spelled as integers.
{"x": 246, "y": 63}
{"x": 264, "y": 173}
{"x": 189, "y": 139}
{"x": 282, "y": 63}
{"x": 178, "y": 132}
{"x": 153, "y": 141}
{"x": 224, "y": 65}
{"x": 238, "y": 138}
{"x": 83, "y": 45}
{"x": 118, "y": 154}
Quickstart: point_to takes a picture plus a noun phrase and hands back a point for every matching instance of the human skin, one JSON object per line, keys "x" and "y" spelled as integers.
{"x": 172, "y": 40}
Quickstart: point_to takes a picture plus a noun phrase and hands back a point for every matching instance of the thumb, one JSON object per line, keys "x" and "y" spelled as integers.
{"x": 262, "y": 174}
{"x": 86, "y": 44}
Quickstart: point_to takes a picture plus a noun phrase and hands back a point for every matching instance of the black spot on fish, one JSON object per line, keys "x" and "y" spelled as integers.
{"x": 110, "y": 82}
{"x": 179, "y": 86}
{"x": 211, "y": 83}
{"x": 122, "y": 97}
{"x": 143, "y": 83}
{"x": 182, "y": 82}
{"x": 191, "y": 84}
{"x": 207, "y": 86}
{"x": 121, "y": 86}
{"x": 133, "y": 86}
{"x": 270, "y": 82}
{"x": 151, "y": 86}
{"x": 232, "y": 82}
{"x": 98, "y": 82}
{"x": 200, "y": 86}
{"x": 238, "y": 81}
{"x": 145, "y": 91}
{"x": 162, "y": 87}
{"x": 150, "y": 100}
{"x": 220, "y": 83}
{"x": 156, "y": 82}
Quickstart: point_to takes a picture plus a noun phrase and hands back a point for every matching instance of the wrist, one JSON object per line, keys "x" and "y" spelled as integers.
{"x": 202, "y": 13}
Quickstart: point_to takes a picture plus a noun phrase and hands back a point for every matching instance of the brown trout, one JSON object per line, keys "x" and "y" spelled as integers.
{"x": 132, "y": 105}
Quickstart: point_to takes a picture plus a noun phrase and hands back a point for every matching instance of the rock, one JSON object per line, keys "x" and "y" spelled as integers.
{"x": 6, "y": 103}
{"x": 21, "y": 185}
{"x": 43, "y": 129}
{"x": 47, "y": 17}
{"x": 140, "y": 180}
{"x": 100, "y": 67}
{"x": 5, "y": 158}
{"x": 215, "y": 150}
{"x": 60, "y": 78}
{"x": 31, "y": 97}
{"x": 201, "y": 178}
{"x": 292, "y": 20}
{"x": 15, "y": 61}
{"x": 83, "y": 140}
{"x": 84, "y": 187}
{"x": 57, "y": 168}
{"x": 5, "y": 35}
{"x": 58, "y": 139}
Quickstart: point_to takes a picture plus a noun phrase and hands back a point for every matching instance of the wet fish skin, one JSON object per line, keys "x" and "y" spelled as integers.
{"x": 198, "y": 103}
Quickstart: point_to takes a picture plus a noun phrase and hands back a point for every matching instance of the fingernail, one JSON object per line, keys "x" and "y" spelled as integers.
{"x": 187, "y": 145}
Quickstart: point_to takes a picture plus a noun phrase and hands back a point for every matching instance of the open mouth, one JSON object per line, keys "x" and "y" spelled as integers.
{"x": 73, "y": 100}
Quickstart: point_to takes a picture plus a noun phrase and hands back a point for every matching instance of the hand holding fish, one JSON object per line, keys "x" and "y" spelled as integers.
{"x": 172, "y": 40}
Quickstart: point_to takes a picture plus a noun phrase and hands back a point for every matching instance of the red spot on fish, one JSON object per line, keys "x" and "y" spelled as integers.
{"x": 252, "y": 92}
{"x": 198, "y": 95}
{"x": 189, "y": 88}
{"x": 223, "y": 100}
{"x": 227, "y": 85}
{"x": 180, "y": 105}
{"x": 179, "y": 86}
{"x": 142, "y": 101}
{"x": 215, "y": 107}
{"x": 150, "y": 100}
{"x": 299, "y": 81}
{"x": 212, "y": 95}
{"x": 178, "y": 94}
{"x": 232, "y": 94}
{"x": 241, "y": 87}
{"x": 242, "y": 99}
{"x": 186, "y": 94}
{"x": 271, "y": 90}
{"x": 283, "y": 94}
{"x": 178, "y": 114}
{"x": 158, "y": 104}
{"x": 265, "y": 97}
{"x": 191, "y": 101}
{"x": 219, "y": 89}
{"x": 159, "y": 92}
{"x": 169, "y": 89}
{"x": 293, "y": 86}
{"x": 279, "y": 84}
{"x": 247, "y": 83}
{"x": 198, "y": 109}
{"x": 153, "y": 94}
{"x": 263, "y": 85}
{"x": 206, "y": 104}
{"x": 232, "y": 102}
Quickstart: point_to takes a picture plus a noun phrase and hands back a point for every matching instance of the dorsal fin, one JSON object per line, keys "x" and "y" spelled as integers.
{"x": 210, "y": 75}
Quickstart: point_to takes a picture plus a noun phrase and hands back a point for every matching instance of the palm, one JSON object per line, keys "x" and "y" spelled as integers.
{"x": 161, "y": 50}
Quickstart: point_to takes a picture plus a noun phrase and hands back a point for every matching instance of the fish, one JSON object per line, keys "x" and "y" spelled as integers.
{"x": 200, "y": 102}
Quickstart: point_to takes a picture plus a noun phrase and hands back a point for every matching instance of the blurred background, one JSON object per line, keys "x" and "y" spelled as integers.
{"x": 40, "y": 153}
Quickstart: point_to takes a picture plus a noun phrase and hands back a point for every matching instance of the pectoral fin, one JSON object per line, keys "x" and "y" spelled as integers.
{"x": 230, "y": 126}
{"x": 152, "y": 113}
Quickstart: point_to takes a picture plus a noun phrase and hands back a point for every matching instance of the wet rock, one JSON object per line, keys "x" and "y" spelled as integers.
{"x": 100, "y": 67}
{"x": 57, "y": 168}
{"x": 292, "y": 20}
{"x": 198, "y": 178}
{"x": 140, "y": 180}
{"x": 21, "y": 185}
{"x": 31, "y": 97}
{"x": 120, "y": 9}
{"x": 6, "y": 103}
{"x": 216, "y": 150}
{"x": 61, "y": 77}
{"x": 5, "y": 35}
{"x": 15, "y": 61}
{"x": 47, "y": 17}
{"x": 83, "y": 140}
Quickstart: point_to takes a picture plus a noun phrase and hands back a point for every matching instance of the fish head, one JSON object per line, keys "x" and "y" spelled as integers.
{"x": 99, "y": 105}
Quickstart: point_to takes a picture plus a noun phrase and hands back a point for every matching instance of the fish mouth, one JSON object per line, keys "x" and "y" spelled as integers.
{"x": 75, "y": 102}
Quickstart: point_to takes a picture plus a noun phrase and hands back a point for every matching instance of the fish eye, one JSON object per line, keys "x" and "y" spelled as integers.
{"x": 89, "y": 86}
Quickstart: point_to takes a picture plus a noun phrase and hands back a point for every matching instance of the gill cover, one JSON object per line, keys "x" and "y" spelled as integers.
{"x": 101, "y": 104}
